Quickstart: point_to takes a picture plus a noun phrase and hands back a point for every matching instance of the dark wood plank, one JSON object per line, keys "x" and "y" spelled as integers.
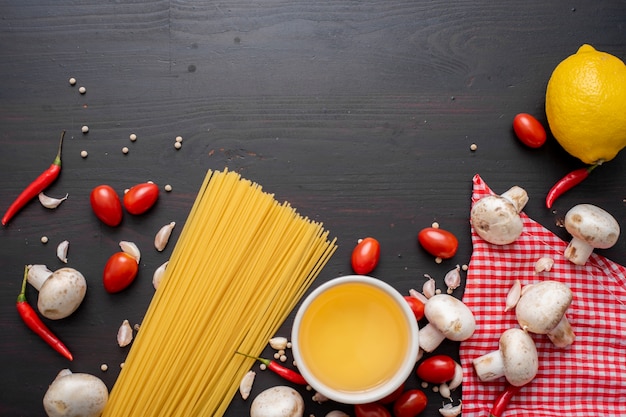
{"x": 361, "y": 114}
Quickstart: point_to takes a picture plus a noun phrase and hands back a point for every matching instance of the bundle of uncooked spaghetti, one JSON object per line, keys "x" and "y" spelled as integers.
{"x": 241, "y": 264}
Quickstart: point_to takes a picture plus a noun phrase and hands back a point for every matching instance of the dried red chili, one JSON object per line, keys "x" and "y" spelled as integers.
{"x": 38, "y": 185}
{"x": 567, "y": 183}
{"x": 501, "y": 403}
{"x": 32, "y": 320}
{"x": 288, "y": 374}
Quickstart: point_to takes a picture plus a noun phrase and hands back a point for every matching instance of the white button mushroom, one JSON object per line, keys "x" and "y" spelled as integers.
{"x": 60, "y": 293}
{"x": 591, "y": 227}
{"x": 280, "y": 401}
{"x": 516, "y": 360}
{"x": 75, "y": 394}
{"x": 448, "y": 318}
{"x": 541, "y": 309}
{"x": 496, "y": 218}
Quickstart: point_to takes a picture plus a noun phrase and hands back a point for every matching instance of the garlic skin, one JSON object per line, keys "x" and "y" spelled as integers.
{"x": 163, "y": 236}
{"x": 453, "y": 279}
{"x": 124, "y": 334}
{"x": 245, "y": 386}
{"x": 51, "y": 202}
{"x": 449, "y": 410}
{"x": 62, "y": 249}
{"x": 131, "y": 249}
{"x": 158, "y": 275}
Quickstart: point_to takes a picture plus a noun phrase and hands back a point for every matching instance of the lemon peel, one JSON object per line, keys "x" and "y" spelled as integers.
{"x": 586, "y": 105}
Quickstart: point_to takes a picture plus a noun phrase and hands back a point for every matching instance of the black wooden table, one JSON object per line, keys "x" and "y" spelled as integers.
{"x": 360, "y": 114}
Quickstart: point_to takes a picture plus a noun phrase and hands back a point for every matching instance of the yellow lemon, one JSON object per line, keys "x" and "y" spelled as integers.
{"x": 586, "y": 105}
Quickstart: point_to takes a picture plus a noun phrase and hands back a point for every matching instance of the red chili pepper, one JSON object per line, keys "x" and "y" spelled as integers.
{"x": 38, "y": 185}
{"x": 288, "y": 374}
{"x": 32, "y": 320}
{"x": 567, "y": 183}
{"x": 503, "y": 399}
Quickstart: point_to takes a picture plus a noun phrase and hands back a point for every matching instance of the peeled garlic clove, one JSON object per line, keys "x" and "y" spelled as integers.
{"x": 319, "y": 398}
{"x": 124, "y": 334}
{"x": 543, "y": 264}
{"x": 513, "y": 296}
{"x": 444, "y": 390}
{"x": 450, "y": 411}
{"x": 50, "y": 202}
{"x": 158, "y": 275}
{"x": 131, "y": 249}
{"x": 163, "y": 236}
{"x": 453, "y": 279}
{"x": 62, "y": 251}
{"x": 429, "y": 289}
{"x": 278, "y": 342}
{"x": 245, "y": 386}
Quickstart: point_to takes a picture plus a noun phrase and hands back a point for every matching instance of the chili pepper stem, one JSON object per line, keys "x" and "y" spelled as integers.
{"x": 57, "y": 159}
{"x": 22, "y": 295}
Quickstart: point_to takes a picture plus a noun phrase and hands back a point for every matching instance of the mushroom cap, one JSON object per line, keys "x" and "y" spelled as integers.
{"x": 61, "y": 294}
{"x": 279, "y": 401}
{"x": 75, "y": 395}
{"x": 597, "y": 227}
{"x": 519, "y": 356}
{"x": 496, "y": 220}
{"x": 450, "y": 316}
{"x": 542, "y": 305}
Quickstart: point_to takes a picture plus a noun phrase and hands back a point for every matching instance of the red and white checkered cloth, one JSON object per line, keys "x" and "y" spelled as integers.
{"x": 585, "y": 379}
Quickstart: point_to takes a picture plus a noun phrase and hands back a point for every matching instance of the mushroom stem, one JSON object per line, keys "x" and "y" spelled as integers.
{"x": 37, "y": 275}
{"x": 578, "y": 251}
{"x": 562, "y": 335}
{"x": 490, "y": 366}
{"x": 430, "y": 337}
{"x": 517, "y": 196}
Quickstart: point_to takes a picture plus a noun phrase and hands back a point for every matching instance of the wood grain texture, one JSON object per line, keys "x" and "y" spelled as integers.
{"x": 360, "y": 114}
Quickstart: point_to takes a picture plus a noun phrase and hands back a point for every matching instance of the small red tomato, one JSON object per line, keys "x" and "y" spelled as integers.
{"x": 436, "y": 369}
{"x": 393, "y": 396}
{"x": 119, "y": 272}
{"x": 416, "y": 306}
{"x": 365, "y": 255}
{"x": 141, "y": 197}
{"x": 371, "y": 410}
{"x": 438, "y": 242}
{"x": 529, "y": 130}
{"x": 106, "y": 205}
{"x": 410, "y": 404}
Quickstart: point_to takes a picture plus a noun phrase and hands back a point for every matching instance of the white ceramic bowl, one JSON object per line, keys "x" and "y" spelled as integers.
{"x": 406, "y": 330}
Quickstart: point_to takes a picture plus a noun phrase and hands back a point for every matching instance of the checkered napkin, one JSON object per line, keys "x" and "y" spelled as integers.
{"x": 585, "y": 379}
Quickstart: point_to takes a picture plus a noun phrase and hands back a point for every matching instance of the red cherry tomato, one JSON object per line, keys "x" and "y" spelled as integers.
{"x": 393, "y": 396}
{"x": 141, "y": 197}
{"x": 119, "y": 272}
{"x": 371, "y": 410}
{"x": 438, "y": 242}
{"x": 416, "y": 306}
{"x": 365, "y": 255}
{"x": 529, "y": 130}
{"x": 410, "y": 404}
{"x": 106, "y": 205}
{"x": 436, "y": 369}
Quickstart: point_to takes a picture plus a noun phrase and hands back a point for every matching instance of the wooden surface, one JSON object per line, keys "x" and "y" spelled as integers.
{"x": 360, "y": 114}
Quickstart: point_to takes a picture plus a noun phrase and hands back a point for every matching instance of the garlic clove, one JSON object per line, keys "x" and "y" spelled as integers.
{"x": 444, "y": 391}
{"x": 543, "y": 264}
{"x": 158, "y": 275}
{"x": 416, "y": 294}
{"x": 319, "y": 398}
{"x": 513, "y": 296}
{"x": 163, "y": 236}
{"x": 453, "y": 279}
{"x": 457, "y": 379}
{"x": 245, "y": 386}
{"x": 50, "y": 202}
{"x": 124, "y": 334}
{"x": 62, "y": 249}
{"x": 278, "y": 342}
{"x": 429, "y": 289}
{"x": 131, "y": 249}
